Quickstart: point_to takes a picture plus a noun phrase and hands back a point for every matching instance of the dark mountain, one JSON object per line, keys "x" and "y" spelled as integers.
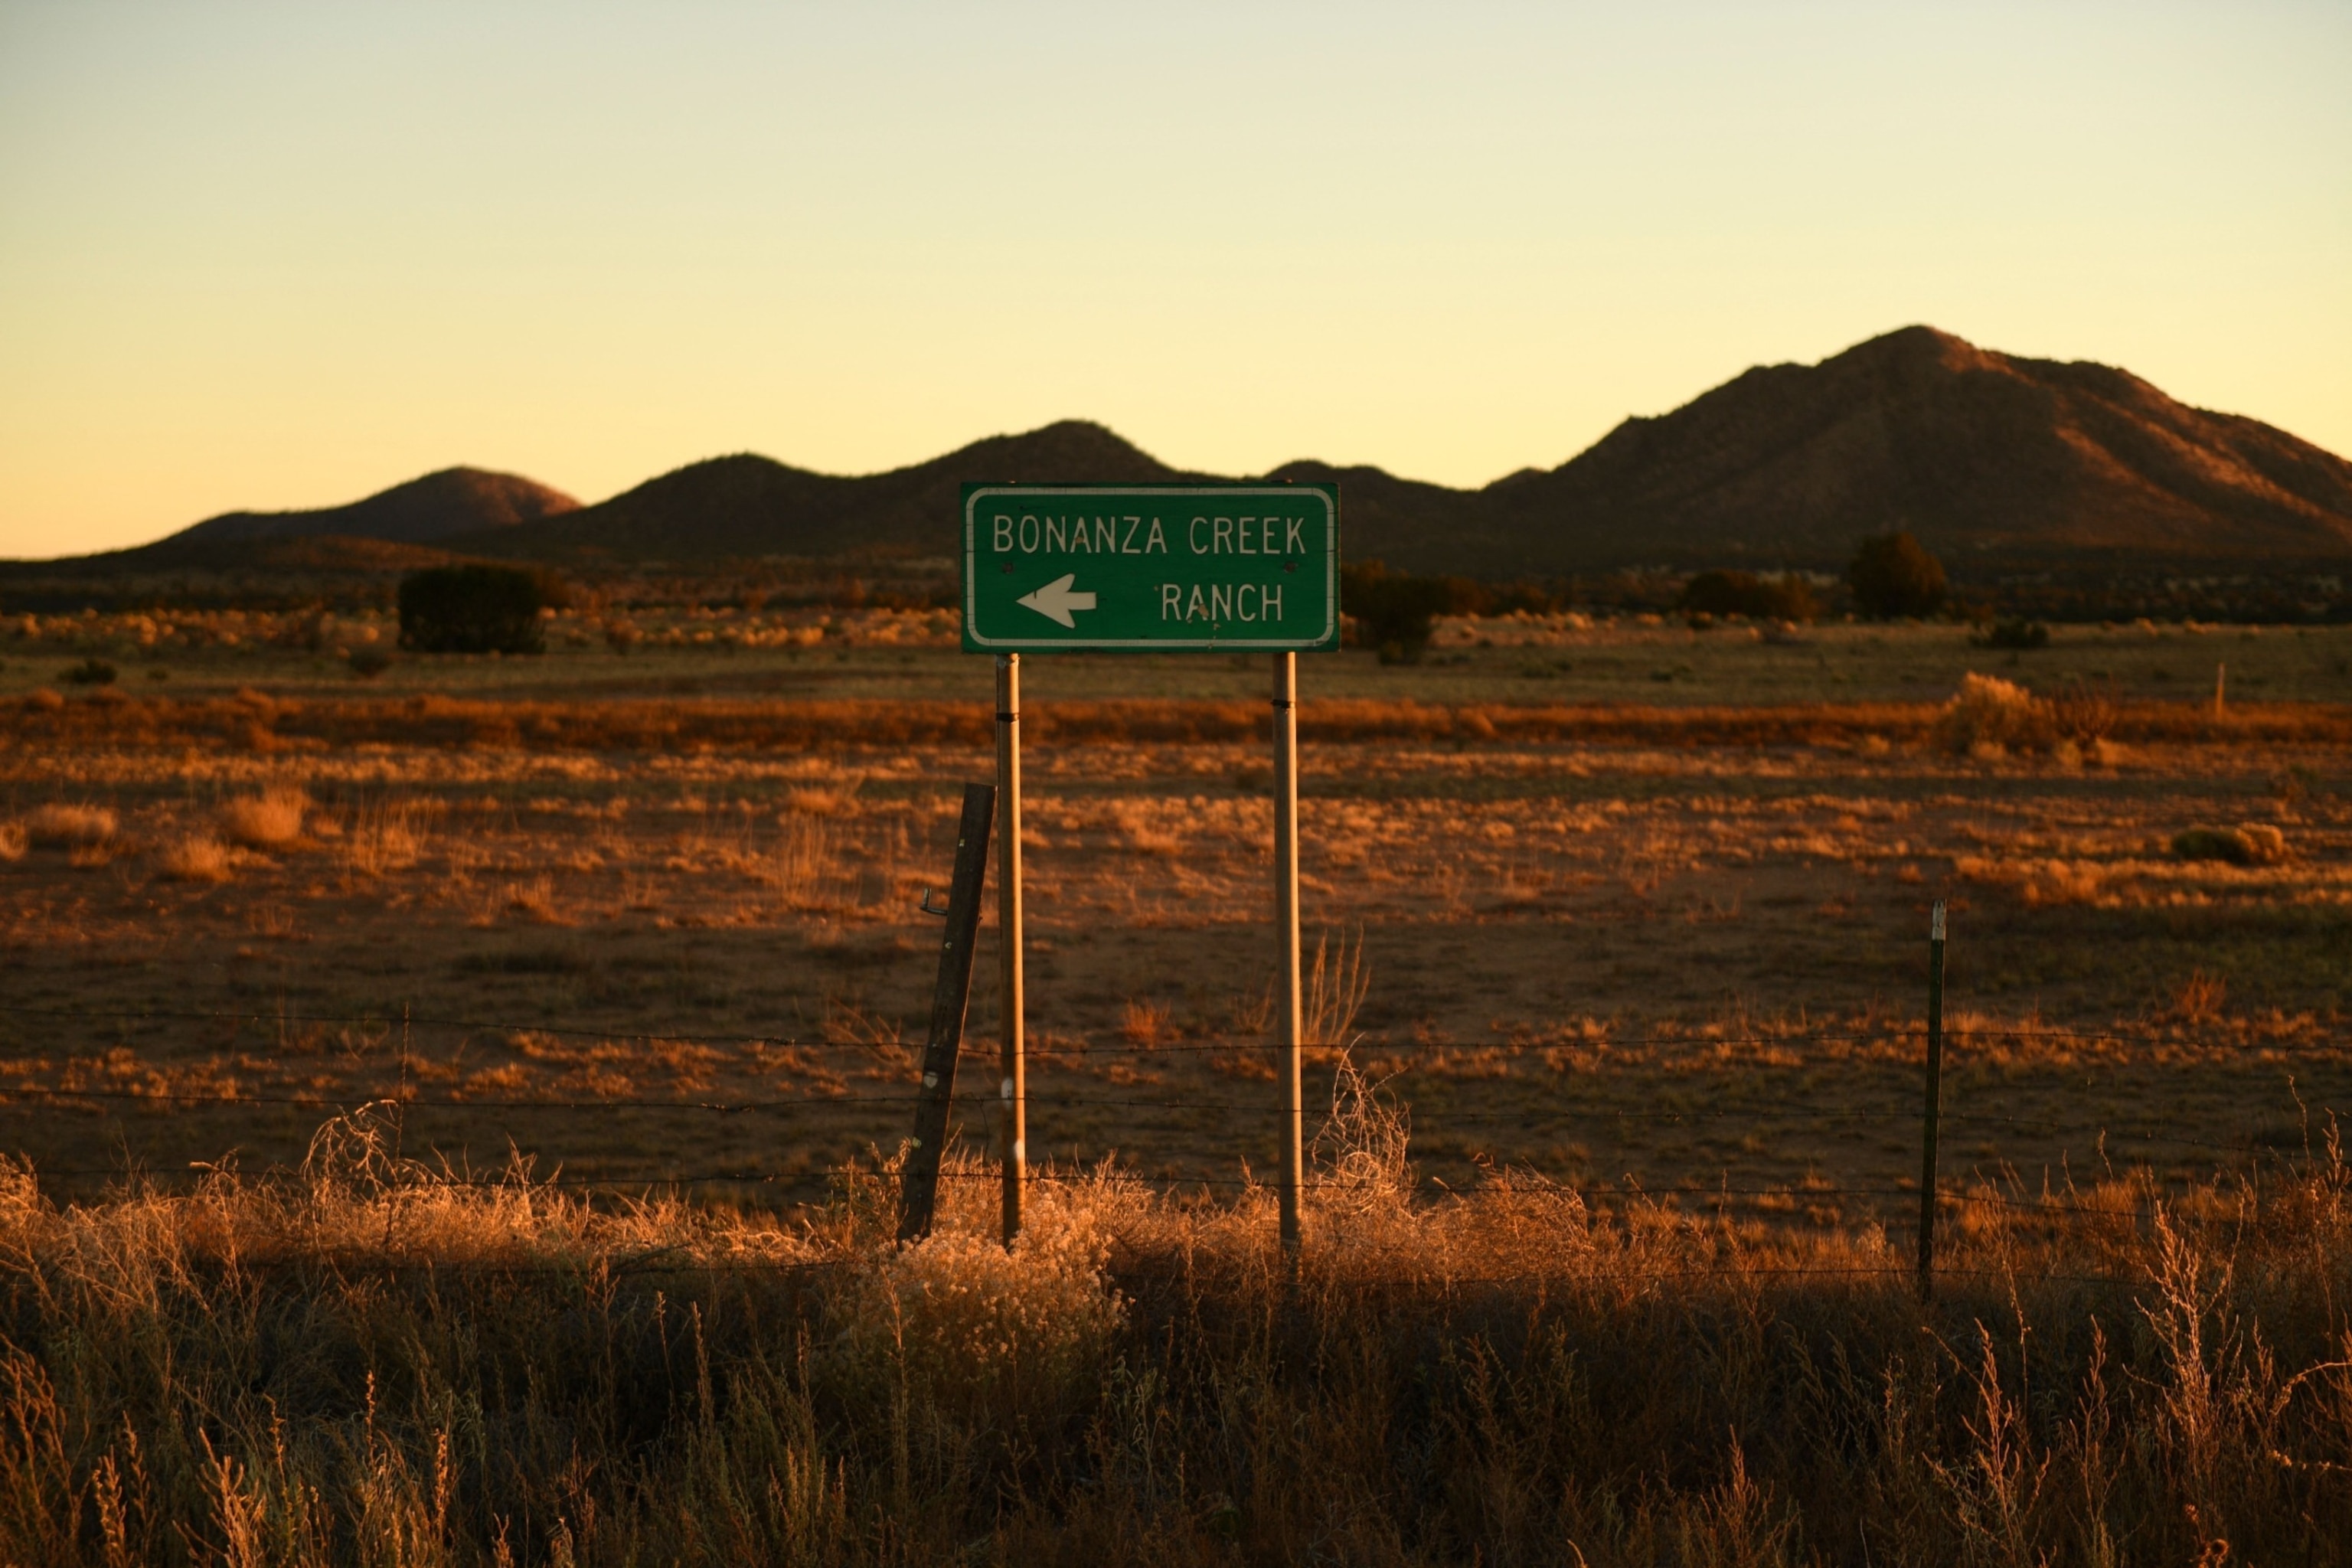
{"x": 746, "y": 506}
{"x": 2000, "y": 464}
{"x": 424, "y": 510}
{"x": 1979, "y": 454}
{"x": 1991, "y": 460}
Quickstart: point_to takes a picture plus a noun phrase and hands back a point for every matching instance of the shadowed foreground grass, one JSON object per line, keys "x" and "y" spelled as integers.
{"x": 365, "y": 1364}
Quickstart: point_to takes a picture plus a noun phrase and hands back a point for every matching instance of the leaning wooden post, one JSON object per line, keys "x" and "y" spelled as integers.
{"x": 1935, "y": 1104}
{"x": 1285, "y": 921}
{"x": 1015, "y": 1087}
{"x": 920, "y": 1191}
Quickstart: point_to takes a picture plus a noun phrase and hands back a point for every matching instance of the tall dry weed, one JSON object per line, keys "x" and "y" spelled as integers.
{"x": 1146, "y": 1023}
{"x": 1359, "y": 1155}
{"x": 376, "y": 1360}
{"x": 802, "y": 866}
{"x": 1337, "y": 984}
{"x": 384, "y": 836}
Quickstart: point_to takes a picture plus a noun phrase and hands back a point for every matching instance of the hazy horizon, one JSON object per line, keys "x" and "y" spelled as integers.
{"x": 261, "y": 256}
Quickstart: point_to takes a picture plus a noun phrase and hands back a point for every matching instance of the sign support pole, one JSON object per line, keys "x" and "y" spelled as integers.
{"x": 1285, "y": 920}
{"x": 1015, "y": 1087}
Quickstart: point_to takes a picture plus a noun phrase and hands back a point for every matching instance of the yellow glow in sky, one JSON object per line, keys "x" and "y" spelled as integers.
{"x": 278, "y": 255}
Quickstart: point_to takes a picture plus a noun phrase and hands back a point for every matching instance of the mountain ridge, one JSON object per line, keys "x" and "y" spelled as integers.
{"x": 1983, "y": 455}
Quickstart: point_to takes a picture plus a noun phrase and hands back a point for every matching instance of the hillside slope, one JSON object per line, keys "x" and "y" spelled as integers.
{"x": 1977, "y": 452}
{"x": 423, "y": 511}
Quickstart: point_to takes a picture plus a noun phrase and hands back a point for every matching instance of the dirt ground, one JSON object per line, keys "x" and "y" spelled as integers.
{"x": 1622, "y": 964}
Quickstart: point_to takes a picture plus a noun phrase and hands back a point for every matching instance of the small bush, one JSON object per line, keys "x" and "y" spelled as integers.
{"x": 1395, "y": 612}
{"x": 195, "y": 857}
{"x": 1892, "y": 575}
{"x": 14, "y": 840}
{"x": 91, "y": 672}
{"x": 1991, "y": 716}
{"x": 477, "y": 609}
{"x": 270, "y": 820}
{"x": 369, "y": 662}
{"x": 2016, "y": 633}
{"x": 2249, "y": 843}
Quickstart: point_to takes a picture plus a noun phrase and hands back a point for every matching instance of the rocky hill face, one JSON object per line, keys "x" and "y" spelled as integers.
{"x": 423, "y": 511}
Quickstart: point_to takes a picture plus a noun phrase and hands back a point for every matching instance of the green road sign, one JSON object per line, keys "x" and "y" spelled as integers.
{"x": 1155, "y": 568}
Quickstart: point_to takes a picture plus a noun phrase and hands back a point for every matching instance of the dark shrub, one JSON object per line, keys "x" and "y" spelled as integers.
{"x": 1393, "y": 610}
{"x": 368, "y": 662}
{"x": 1745, "y": 594}
{"x": 1894, "y": 575}
{"x": 476, "y": 609}
{"x": 2250, "y": 844}
{"x": 2018, "y": 633}
{"x": 91, "y": 672}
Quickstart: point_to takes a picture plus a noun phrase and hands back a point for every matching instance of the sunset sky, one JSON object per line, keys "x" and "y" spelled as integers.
{"x": 278, "y": 255}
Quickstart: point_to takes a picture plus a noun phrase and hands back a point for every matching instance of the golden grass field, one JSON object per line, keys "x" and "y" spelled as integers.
{"x": 1621, "y": 932}
{"x": 1554, "y": 913}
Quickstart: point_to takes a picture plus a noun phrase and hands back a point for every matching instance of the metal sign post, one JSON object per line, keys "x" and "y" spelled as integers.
{"x": 1015, "y": 1087}
{"x": 1286, "y": 922}
{"x": 1152, "y": 569}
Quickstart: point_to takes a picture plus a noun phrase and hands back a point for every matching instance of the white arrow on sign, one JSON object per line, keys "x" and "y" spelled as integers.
{"x": 1056, "y": 599}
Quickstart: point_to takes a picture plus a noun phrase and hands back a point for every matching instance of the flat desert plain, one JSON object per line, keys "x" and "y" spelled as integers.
{"x": 1632, "y": 905}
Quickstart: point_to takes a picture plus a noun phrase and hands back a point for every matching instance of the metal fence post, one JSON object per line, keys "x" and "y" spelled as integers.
{"x": 919, "y": 1190}
{"x": 1935, "y": 1104}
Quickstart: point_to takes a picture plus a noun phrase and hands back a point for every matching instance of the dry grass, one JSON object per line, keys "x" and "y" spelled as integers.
{"x": 755, "y": 726}
{"x": 269, "y": 820}
{"x": 535, "y": 900}
{"x": 384, "y": 836}
{"x": 195, "y": 857}
{"x": 824, "y": 801}
{"x": 2200, "y": 997}
{"x": 1145, "y": 1025}
{"x": 799, "y": 867}
{"x": 15, "y": 839}
{"x": 371, "y": 1364}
